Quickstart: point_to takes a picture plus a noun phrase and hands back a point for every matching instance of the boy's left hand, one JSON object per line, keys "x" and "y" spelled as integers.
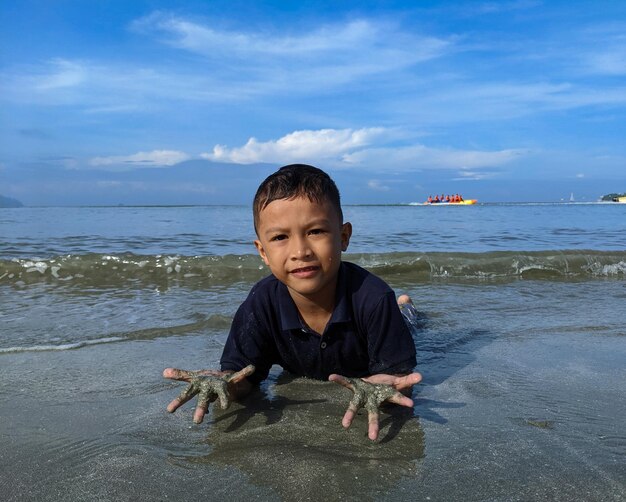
{"x": 371, "y": 392}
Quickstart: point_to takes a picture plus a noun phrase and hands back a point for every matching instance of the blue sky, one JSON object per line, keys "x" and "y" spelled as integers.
{"x": 164, "y": 102}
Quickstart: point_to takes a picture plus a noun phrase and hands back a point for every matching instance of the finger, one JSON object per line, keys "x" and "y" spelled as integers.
{"x": 201, "y": 407}
{"x": 401, "y": 400}
{"x": 241, "y": 374}
{"x": 215, "y": 373}
{"x": 198, "y": 414}
{"x": 224, "y": 400}
{"x": 349, "y": 416}
{"x": 408, "y": 381}
{"x": 341, "y": 380}
{"x": 182, "y": 398}
{"x": 373, "y": 427}
{"x": 176, "y": 374}
{"x": 381, "y": 378}
{"x": 174, "y": 405}
{"x": 186, "y": 376}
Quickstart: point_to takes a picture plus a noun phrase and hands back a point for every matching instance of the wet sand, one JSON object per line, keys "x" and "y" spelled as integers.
{"x": 90, "y": 425}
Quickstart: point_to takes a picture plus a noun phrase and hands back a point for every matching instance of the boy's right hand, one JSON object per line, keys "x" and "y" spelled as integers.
{"x": 209, "y": 385}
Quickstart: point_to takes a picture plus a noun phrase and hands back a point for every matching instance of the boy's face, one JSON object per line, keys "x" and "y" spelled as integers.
{"x": 301, "y": 242}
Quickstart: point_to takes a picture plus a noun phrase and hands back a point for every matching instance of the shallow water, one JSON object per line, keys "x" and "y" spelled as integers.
{"x": 512, "y": 404}
{"x": 523, "y": 394}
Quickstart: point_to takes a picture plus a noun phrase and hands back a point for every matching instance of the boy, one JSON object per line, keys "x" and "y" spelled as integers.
{"x": 315, "y": 316}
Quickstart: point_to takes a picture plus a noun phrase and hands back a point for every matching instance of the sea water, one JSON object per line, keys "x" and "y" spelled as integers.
{"x": 521, "y": 341}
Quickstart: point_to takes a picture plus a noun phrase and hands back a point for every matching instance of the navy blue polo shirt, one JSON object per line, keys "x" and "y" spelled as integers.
{"x": 366, "y": 333}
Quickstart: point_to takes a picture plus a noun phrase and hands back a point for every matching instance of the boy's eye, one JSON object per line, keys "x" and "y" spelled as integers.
{"x": 317, "y": 231}
{"x": 278, "y": 237}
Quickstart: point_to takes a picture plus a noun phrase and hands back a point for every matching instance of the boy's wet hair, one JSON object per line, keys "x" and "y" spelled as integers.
{"x": 296, "y": 180}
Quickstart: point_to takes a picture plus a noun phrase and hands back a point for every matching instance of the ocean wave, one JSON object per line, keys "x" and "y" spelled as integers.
{"x": 210, "y": 322}
{"x": 113, "y": 270}
{"x": 573, "y": 264}
{"x": 60, "y": 346}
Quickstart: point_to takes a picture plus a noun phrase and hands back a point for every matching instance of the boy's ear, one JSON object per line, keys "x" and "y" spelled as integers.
{"x": 259, "y": 248}
{"x": 346, "y": 233}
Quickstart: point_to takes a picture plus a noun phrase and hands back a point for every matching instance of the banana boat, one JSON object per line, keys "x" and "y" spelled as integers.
{"x": 465, "y": 202}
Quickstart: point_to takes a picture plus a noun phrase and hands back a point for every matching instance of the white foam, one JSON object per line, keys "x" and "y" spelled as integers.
{"x": 64, "y": 346}
{"x": 39, "y": 266}
{"x": 614, "y": 269}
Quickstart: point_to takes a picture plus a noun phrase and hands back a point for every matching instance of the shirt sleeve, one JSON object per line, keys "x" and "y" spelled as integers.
{"x": 248, "y": 343}
{"x": 390, "y": 343}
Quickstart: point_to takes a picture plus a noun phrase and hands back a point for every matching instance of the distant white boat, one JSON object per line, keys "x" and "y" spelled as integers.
{"x": 571, "y": 197}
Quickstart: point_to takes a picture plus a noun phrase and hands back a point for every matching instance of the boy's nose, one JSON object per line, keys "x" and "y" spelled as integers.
{"x": 300, "y": 249}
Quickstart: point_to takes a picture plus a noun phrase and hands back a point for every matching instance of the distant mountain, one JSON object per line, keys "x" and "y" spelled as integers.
{"x": 9, "y": 202}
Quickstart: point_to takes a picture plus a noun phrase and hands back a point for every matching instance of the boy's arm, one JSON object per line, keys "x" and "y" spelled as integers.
{"x": 392, "y": 356}
{"x": 370, "y": 392}
{"x": 209, "y": 385}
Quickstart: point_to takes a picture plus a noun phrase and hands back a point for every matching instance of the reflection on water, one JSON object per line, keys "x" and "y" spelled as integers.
{"x": 290, "y": 438}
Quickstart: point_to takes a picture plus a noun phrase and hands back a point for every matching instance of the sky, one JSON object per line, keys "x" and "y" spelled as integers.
{"x": 196, "y": 102}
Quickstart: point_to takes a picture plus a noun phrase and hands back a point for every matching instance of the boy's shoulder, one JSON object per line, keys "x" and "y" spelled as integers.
{"x": 361, "y": 281}
{"x": 268, "y": 287}
{"x": 366, "y": 300}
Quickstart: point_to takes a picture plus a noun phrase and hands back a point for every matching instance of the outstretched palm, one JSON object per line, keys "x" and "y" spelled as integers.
{"x": 208, "y": 385}
{"x": 371, "y": 392}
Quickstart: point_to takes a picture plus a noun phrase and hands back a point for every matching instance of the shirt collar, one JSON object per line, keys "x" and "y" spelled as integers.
{"x": 289, "y": 316}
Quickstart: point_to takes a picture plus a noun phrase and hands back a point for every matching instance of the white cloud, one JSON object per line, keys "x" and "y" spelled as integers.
{"x": 67, "y": 161}
{"x": 459, "y": 102}
{"x": 608, "y": 61}
{"x": 466, "y": 175}
{"x": 500, "y": 6}
{"x": 155, "y": 158}
{"x": 410, "y": 158}
{"x": 334, "y": 40}
{"x": 378, "y": 186}
{"x": 114, "y": 88}
{"x": 364, "y": 149}
{"x": 298, "y": 146}
{"x": 600, "y": 49}
{"x": 108, "y": 184}
{"x": 63, "y": 74}
{"x": 205, "y": 39}
{"x": 376, "y": 61}
{"x": 303, "y": 60}
{"x": 112, "y": 109}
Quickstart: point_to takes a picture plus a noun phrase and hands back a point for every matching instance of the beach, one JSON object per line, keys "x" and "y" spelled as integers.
{"x": 521, "y": 342}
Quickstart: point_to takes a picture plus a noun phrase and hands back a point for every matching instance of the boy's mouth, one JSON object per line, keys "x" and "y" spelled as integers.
{"x": 304, "y": 272}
